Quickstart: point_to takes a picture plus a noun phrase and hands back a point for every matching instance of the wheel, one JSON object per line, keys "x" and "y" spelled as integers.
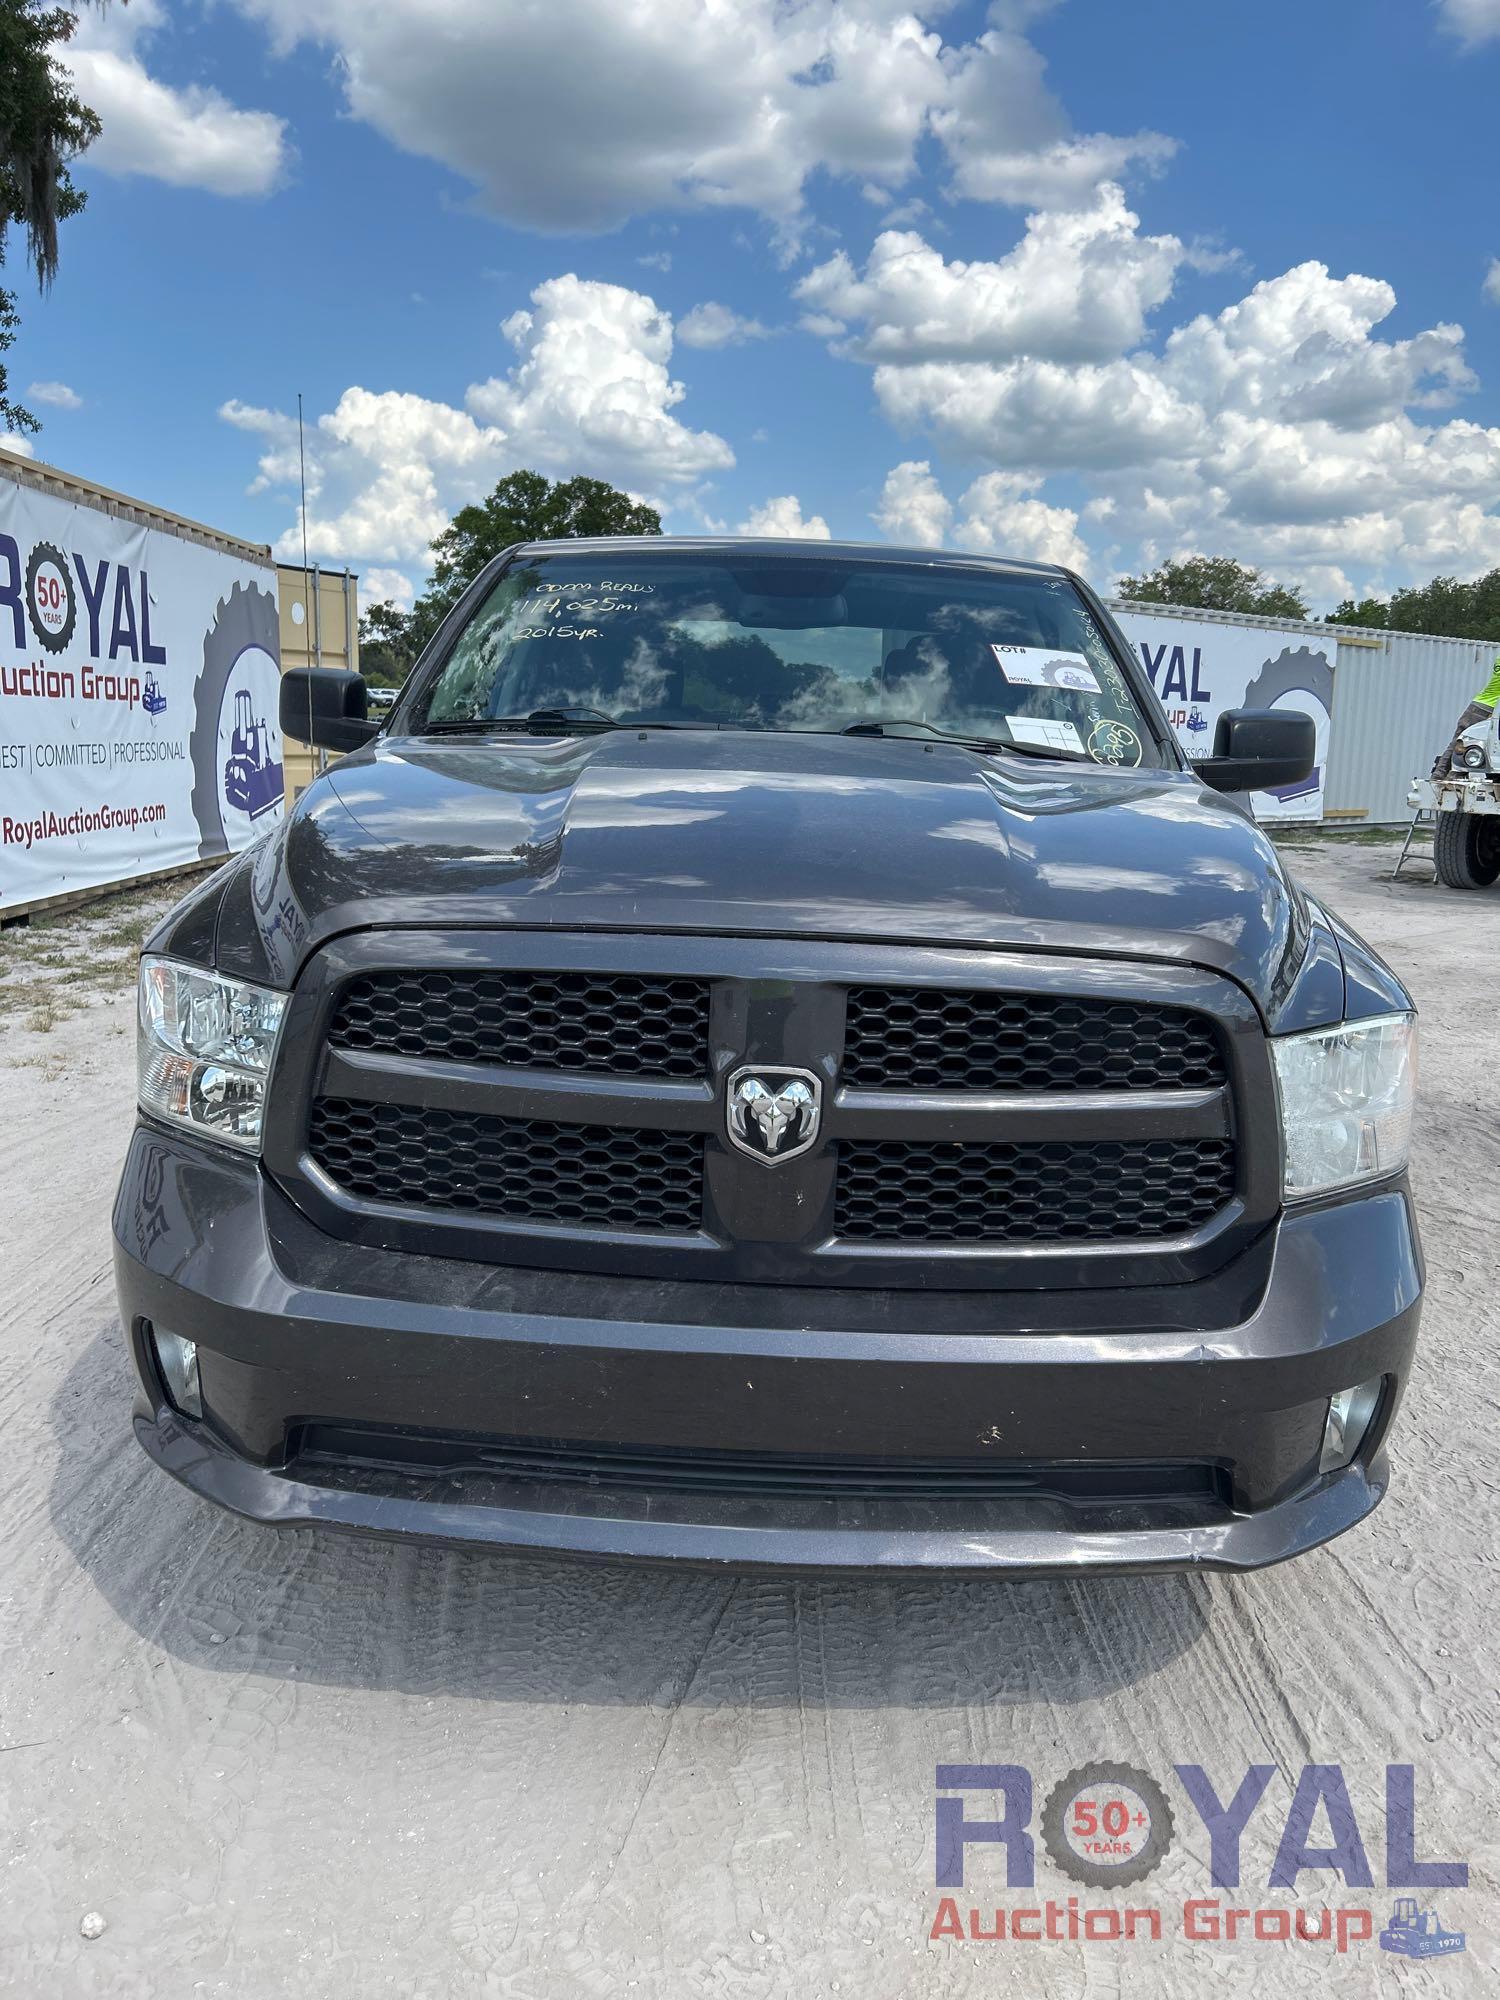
{"x": 1466, "y": 849}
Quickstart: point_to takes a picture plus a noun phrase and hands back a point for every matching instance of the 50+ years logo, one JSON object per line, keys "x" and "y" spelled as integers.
{"x": 51, "y": 603}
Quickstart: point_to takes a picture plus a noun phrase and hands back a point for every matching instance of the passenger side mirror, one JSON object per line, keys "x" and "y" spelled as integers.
{"x": 1258, "y": 748}
{"x": 326, "y": 707}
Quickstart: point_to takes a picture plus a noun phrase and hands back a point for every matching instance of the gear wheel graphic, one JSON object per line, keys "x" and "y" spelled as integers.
{"x": 42, "y": 556}
{"x": 246, "y": 619}
{"x": 1297, "y": 670}
{"x": 1105, "y": 1777}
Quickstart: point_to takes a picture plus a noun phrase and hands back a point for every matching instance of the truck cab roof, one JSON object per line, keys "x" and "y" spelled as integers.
{"x": 657, "y": 546}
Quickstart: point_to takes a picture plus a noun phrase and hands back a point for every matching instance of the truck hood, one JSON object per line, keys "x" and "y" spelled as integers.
{"x": 785, "y": 835}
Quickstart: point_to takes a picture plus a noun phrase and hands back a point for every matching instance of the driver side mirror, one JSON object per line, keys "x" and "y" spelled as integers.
{"x": 1258, "y": 748}
{"x": 326, "y": 707}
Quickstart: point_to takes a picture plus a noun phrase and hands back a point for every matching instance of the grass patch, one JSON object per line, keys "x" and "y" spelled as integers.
{"x": 55, "y": 965}
{"x": 1335, "y": 836}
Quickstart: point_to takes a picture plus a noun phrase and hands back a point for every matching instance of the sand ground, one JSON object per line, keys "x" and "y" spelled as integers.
{"x": 300, "y": 1765}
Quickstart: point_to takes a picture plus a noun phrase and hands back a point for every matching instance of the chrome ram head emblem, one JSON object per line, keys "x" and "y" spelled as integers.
{"x": 774, "y": 1114}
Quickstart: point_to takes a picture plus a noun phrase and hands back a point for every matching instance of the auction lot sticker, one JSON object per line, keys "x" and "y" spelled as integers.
{"x": 1041, "y": 667}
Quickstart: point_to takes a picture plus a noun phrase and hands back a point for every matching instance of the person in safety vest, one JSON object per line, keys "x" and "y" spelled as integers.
{"x": 1479, "y": 710}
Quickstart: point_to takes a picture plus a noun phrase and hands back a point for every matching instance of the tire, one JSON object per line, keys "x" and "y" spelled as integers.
{"x": 1466, "y": 849}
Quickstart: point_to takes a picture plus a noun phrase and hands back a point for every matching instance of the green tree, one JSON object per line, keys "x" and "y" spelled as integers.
{"x": 524, "y": 507}
{"x": 385, "y": 645}
{"x": 1214, "y": 583}
{"x": 1450, "y": 608}
{"x": 43, "y": 126}
{"x": 1367, "y": 611}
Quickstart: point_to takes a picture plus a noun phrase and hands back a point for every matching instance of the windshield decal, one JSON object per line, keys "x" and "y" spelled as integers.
{"x": 1040, "y": 666}
{"x": 1043, "y": 730}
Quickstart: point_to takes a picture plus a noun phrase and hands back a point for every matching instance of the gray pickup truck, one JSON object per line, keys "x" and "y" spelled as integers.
{"x": 769, "y": 1055}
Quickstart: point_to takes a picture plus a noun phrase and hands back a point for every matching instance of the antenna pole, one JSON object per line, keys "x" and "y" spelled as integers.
{"x": 306, "y": 606}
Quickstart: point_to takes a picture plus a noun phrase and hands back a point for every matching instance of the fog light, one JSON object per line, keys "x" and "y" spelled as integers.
{"x": 1349, "y": 1414}
{"x": 178, "y": 1360}
{"x": 1472, "y": 757}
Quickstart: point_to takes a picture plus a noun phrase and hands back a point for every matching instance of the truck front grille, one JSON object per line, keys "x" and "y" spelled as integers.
{"x": 1053, "y": 1192}
{"x": 919, "y": 1038}
{"x": 563, "y": 1100}
{"x": 594, "y": 1176}
{"x": 616, "y": 1024}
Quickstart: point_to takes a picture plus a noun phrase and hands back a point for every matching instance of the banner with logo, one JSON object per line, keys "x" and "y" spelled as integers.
{"x": 139, "y": 678}
{"x": 1199, "y": 668}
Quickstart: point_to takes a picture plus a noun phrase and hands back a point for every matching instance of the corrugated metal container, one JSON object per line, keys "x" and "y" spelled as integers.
{"x": 1395, "y": 705}
{"x": 1396, "y": 698}
{"x": 319, "y": 628}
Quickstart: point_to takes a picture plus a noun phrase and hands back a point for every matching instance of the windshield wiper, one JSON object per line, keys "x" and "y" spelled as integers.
{"x": 900, "y": 725}
{"x": 540, "y": 722}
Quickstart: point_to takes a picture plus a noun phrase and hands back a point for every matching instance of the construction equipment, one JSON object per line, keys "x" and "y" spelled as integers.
{"x": 1415, "y": 1933}
{"x": 1465, "y": 804}
{"x": 152, "y": 698}
{"x": 253, "y": 781}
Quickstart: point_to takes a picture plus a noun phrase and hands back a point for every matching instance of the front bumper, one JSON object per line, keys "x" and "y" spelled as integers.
{"x": 754, "y": 1426}
{"x": 1456, "y": 791}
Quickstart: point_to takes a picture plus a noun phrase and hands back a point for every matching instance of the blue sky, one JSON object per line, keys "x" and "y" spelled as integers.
{"x": 1069, "y": 278}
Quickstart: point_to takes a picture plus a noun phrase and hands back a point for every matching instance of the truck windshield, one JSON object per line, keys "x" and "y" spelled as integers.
{"x": 713, "y": 640}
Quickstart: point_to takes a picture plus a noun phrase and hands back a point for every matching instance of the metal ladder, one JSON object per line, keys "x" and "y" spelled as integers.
{"x": 1423, "y": 823}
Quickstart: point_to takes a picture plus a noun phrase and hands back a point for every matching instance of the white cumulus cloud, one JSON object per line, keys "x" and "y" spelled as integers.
{"x": 589, "y": 391}
{"x": 592, "y": 380}
{"x": 1008, "y": 139}
{"x": 191, "y": 136}
{"x": 1078, "y": 286}
{"x": 581, "y": 113}
{"x": 1284, "y": 429}
{"x": 1472, "y": 21}
{"x": 1049, "y": 415}
{"x": 783, "y": 517}
{"x": 57, "y": 394}
{"x": 713, "y": 325}
{"x": 386, "y": 586}
{"x": 999, "y": 514}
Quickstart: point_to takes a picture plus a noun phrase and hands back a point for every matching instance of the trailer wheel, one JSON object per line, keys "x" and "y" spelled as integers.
{"x": 1466, "y": 849}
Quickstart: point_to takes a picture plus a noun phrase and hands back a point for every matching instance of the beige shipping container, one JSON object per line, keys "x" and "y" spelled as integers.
{"x": 319, "y": 628}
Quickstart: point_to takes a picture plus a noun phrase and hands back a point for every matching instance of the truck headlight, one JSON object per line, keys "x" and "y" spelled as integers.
{"x": 1346, "y": 1098}
{"x": 204, "y": 1048}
